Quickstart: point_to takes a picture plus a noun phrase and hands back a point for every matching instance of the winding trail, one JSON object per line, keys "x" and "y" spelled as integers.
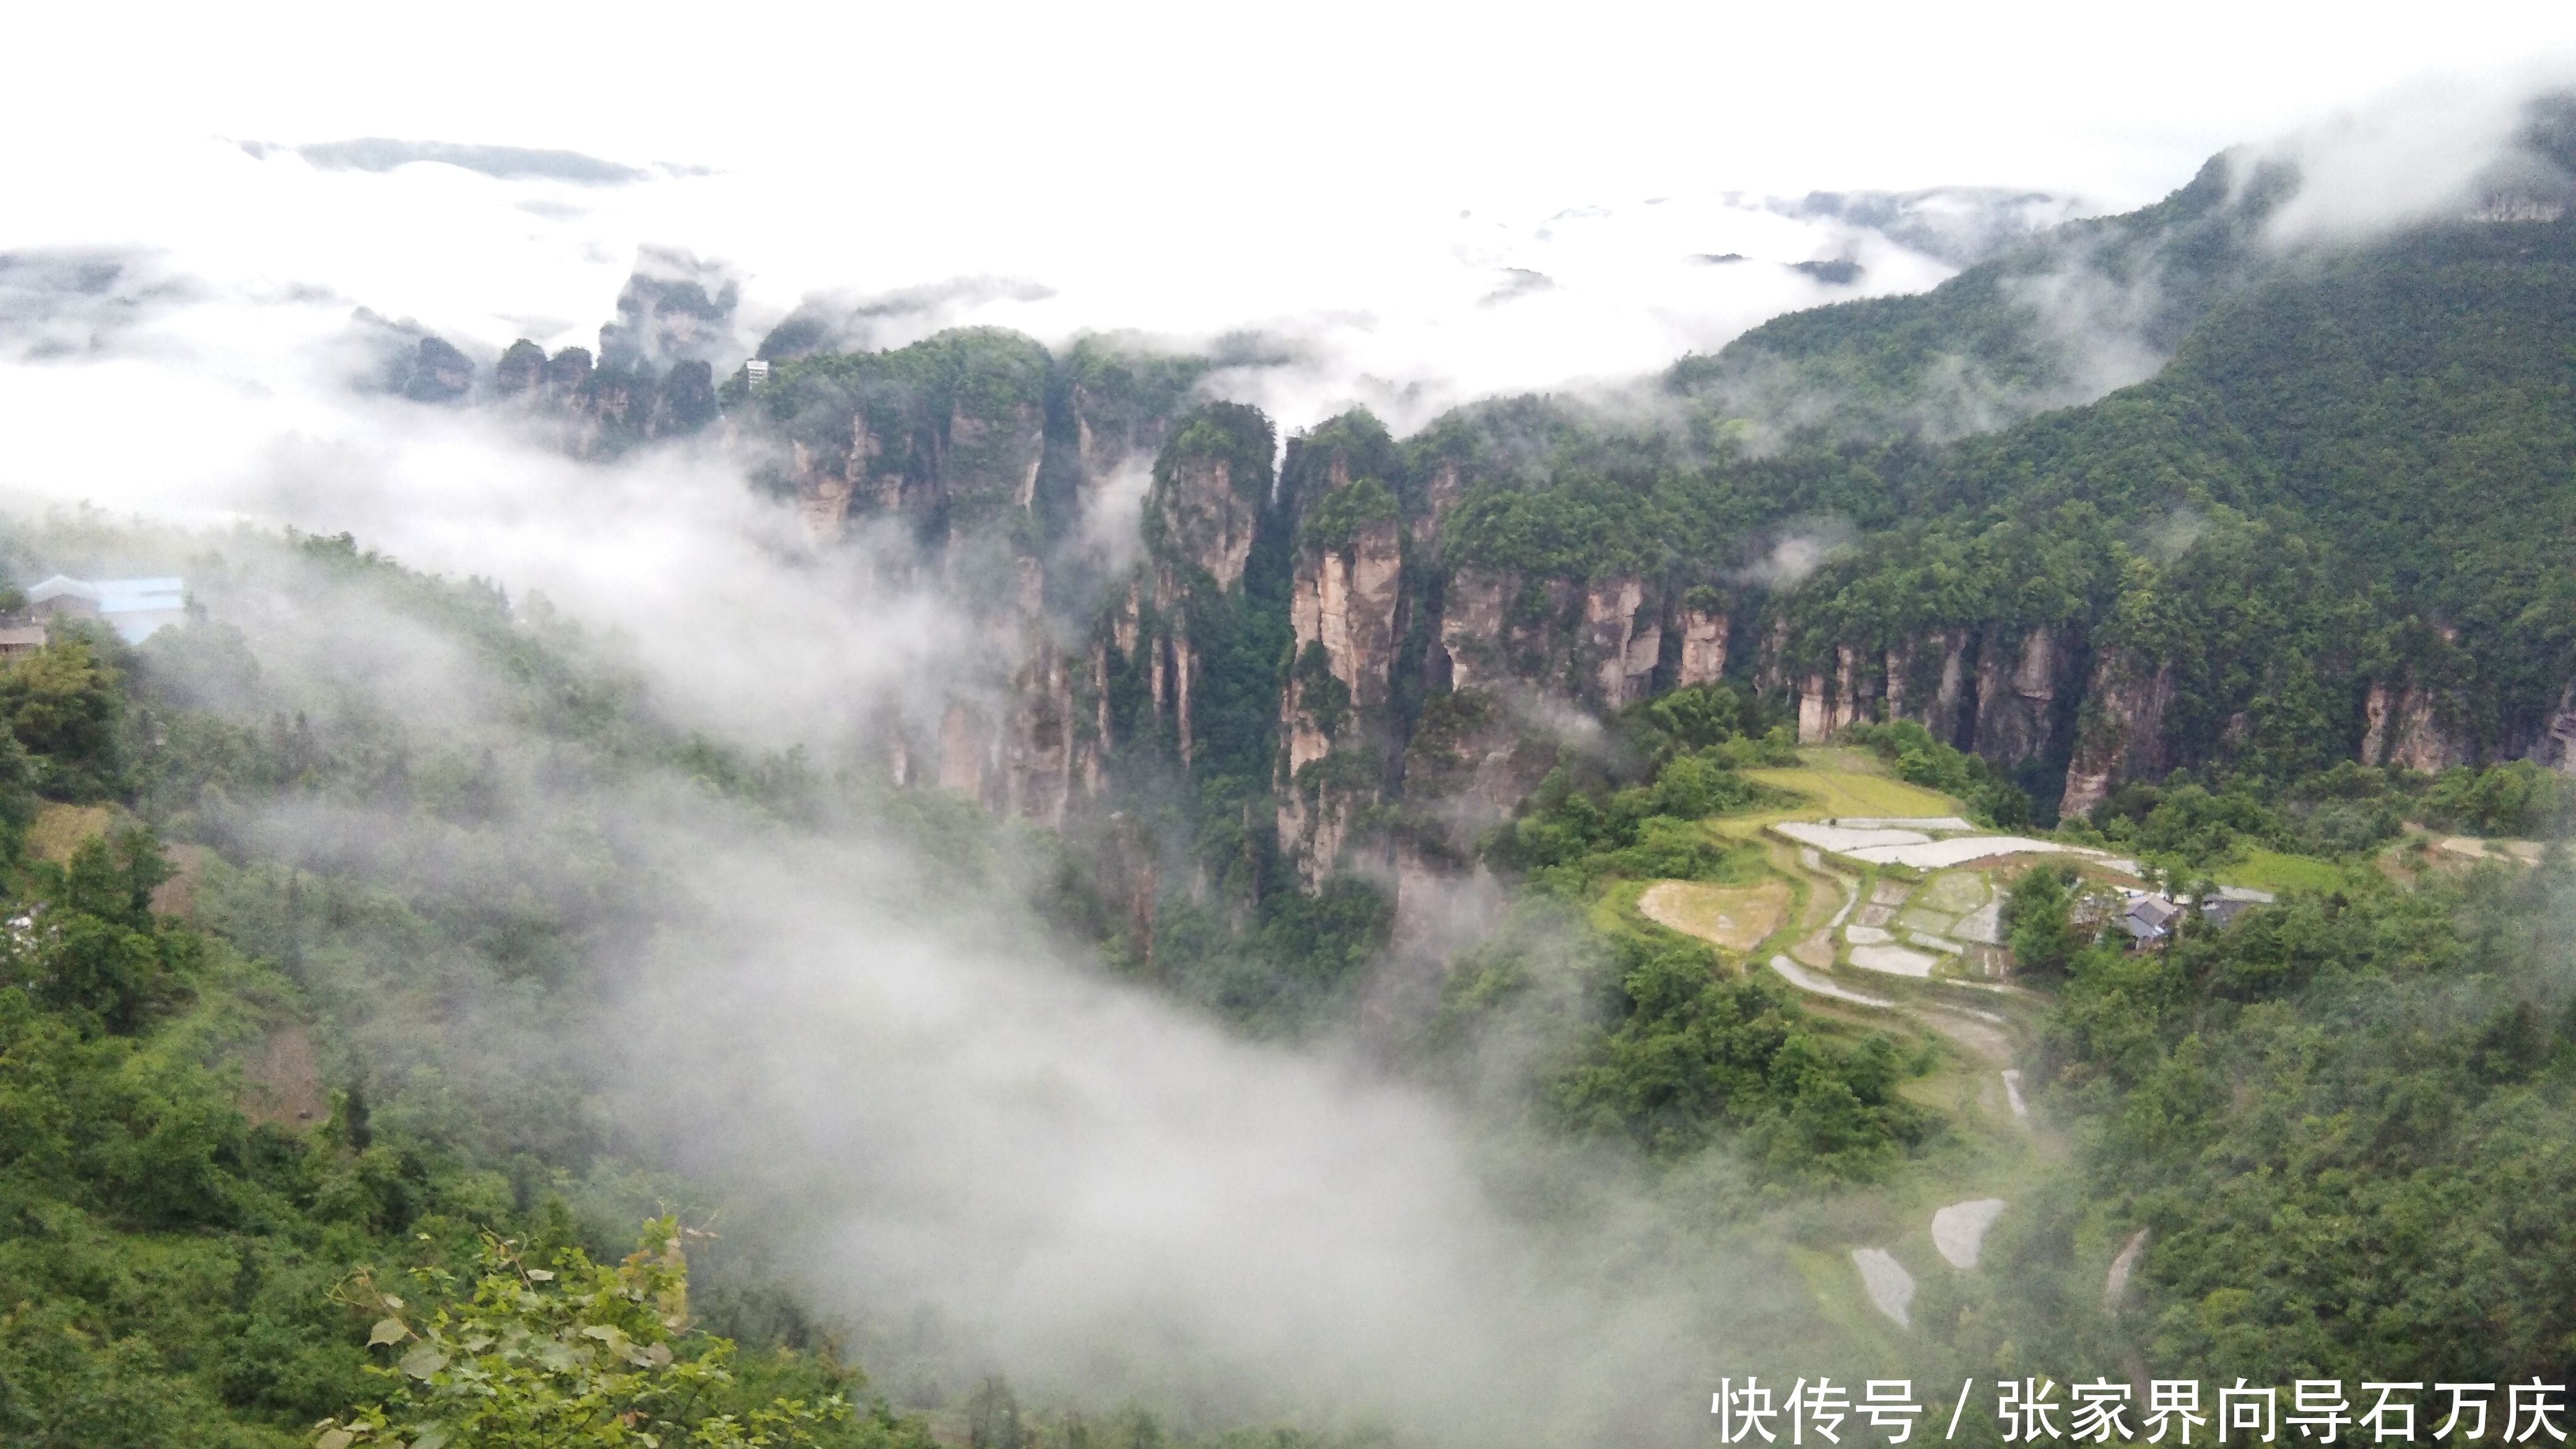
{"x": 1885, "y": 939}
{"x": 1801, "y": 978}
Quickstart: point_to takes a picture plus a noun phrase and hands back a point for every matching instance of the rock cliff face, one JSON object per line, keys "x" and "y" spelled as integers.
{"x": 1343, "y": 611}
{"x": 1599, "y": 644}
{"x": 947, "y": 436}
{"x": 1207, "y": 522}
{"x": 2556, "y": 746}
{"x": 652, "y": 379}
{"x": 1471, "y": 632}
{"x": 991, "y": 459}
{"x": 1944, "y": 714}
{"x": 2044, "y": 694}
{"x": 1206, "y": 511}
{"x": 2399, "y": 728}
{"x": 1624, "y": 648}
{"x": 2121, "y": 731}
{"x": 984, "y": 460}
{"x": 1440, "y": 493}
{"x": 2017, "y": 690}
{"x": 2006, "y": 696}
{"x": 1703, "y": 647}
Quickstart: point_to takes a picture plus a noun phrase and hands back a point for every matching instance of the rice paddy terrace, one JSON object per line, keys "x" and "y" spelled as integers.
{"x": 1885, "y": 905}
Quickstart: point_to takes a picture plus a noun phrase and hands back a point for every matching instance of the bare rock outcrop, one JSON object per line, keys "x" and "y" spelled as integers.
{"x": 1440, "y": 493}
{"x": 1471, "y": 630}
{"x": 1621, "y": 648}
{"x": 965, "y": 742}
{"x": 2400, "y": 727}
{"x": 2017, "y": 696}
{"x": 2120, "y": 734}
{"x": 990, "y": 463}
{"x": 1949, "y": 692}
{"x": 1815, "y": 711}
{"x": 1598, "y": 645}
{"x": 2557, "y": 744}
{"x": 1207, "y": 522}
{"x": 1343, "y": 608}
{"x": 1703, "y": 646}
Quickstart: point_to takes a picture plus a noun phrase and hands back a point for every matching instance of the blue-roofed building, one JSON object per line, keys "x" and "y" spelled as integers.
{"x": 134, "y": 608}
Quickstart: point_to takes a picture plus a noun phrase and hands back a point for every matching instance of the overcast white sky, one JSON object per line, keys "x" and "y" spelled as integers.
{"x": 1356, "y": 175}
{"x": 983, "y": 103}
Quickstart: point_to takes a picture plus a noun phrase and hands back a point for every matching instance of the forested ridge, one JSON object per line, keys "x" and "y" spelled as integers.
{"x": 239, "y": 1071}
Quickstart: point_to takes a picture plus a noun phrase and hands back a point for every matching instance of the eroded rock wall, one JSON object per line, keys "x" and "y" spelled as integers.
{"x": 2120, "y": 733}
{"x": 1344, "y": 606}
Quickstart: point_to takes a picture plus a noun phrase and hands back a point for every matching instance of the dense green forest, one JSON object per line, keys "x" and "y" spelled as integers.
{"x": 2345, "y": 1121}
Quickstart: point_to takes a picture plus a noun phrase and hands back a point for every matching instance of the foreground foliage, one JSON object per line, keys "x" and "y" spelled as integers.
{"x": 2346, "y": 1123}
{"x": 579, "y": 1353}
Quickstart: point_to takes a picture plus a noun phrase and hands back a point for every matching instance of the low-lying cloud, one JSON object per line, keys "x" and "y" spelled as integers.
{"x": 61, "y": 305}
{"x": 506, "y": 163}
{"x": 1806, "y": 547}
{"x": 2435, "y": 152}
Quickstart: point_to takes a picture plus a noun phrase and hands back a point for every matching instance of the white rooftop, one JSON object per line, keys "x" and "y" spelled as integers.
{"x": 133, "y": 607}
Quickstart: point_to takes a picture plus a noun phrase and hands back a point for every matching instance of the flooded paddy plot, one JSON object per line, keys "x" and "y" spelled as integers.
{"x": 1891, "y": 1288}
{"x": 1959, "y": 1230}
{"x": 1914, "y": 848}
{"x": 1954, "y": 891}
{"x": 1893, "y": 960}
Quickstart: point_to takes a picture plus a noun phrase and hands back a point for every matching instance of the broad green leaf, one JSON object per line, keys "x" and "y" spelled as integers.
{"x": 423, "y": 1361}
{"x": 388, "y": 1330}
{"x": 335, "y": 1439}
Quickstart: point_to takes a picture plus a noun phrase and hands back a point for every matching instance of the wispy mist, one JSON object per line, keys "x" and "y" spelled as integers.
{"x": 2435, "y": 151}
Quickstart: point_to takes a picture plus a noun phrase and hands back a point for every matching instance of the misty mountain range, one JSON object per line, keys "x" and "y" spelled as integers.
{"x": 1123, "y": 905}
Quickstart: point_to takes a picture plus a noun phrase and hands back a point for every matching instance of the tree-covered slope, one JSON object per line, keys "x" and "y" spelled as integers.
{"x": 335, "y": 1027}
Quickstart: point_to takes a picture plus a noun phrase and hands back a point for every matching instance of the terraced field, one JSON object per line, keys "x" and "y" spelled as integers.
{"x": 1879, "y": 944}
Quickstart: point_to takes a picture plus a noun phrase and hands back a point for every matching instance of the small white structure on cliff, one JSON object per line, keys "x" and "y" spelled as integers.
{"x": 134, "y": 608}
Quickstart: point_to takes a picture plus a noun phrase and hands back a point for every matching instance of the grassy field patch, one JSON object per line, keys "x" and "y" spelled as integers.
{"x": 1841, "y": 792}
{"x": 2273, "y": 870}
{"x": 1736, "y": 917}
{"x": 61, "y": 829}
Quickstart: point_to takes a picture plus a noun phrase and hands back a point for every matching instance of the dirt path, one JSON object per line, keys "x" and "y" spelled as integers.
{"x": 1801, "y": 978}
{"x": 1981, "y": 1042}
{"x": 1982, "y": 1033}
